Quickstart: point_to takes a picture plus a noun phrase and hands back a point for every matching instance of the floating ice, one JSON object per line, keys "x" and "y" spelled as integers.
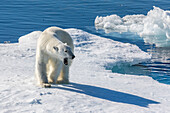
{"x": 154, "y": 28}
{"x": 94, "y": 88}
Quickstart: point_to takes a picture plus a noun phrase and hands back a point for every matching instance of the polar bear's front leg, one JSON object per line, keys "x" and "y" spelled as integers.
{"x": 55, "y": 69}
{"x": 40, "y": 71}
{"x": 41, "y": 74}
{"x": 64, "y": 75}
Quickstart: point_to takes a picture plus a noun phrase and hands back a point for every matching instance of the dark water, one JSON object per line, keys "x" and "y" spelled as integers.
{"x": 20, "y": 17}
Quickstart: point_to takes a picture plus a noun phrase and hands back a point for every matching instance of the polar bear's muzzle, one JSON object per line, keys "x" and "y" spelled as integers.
{"x": 73, "y": 57}
{"x": 66, "y": 61}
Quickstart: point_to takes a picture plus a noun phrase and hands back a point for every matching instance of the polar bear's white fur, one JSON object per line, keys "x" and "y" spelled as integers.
{"x": 54, "y": 54}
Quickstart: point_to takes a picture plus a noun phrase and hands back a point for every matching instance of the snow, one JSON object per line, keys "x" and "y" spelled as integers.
{"x": 93, "y": 88}
{"x": 154, "y": 28}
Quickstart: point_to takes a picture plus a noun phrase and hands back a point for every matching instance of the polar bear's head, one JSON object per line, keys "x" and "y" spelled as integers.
{"x": 64, "y": 52}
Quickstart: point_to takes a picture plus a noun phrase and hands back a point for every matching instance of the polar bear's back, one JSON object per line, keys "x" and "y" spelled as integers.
{"x": 61, "y": 35}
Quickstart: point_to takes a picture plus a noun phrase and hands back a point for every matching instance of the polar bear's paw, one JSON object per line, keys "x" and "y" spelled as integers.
{"x": 62, "y": 82}
{"x": 46, "y": 85}
{"x": 50, "y": 81}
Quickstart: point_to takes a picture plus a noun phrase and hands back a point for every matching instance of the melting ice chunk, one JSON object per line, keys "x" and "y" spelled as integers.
{"x": 154, "y": 28}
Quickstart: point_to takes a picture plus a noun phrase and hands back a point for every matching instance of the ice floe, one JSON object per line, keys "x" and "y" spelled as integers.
{"x": 154, "y": 28}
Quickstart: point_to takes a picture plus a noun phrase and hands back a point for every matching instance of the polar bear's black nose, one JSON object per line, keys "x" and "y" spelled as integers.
{"x": 73, "y": 57}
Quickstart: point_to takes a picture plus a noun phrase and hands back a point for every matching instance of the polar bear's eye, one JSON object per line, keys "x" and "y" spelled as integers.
{"x": 56, "y": 48}
{"x": 65, "y": 50}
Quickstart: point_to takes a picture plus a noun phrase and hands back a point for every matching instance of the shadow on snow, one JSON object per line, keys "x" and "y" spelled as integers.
{"x": 107, "y": 94}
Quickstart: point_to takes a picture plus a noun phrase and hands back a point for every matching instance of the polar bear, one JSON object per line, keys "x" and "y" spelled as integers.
{"x": 54, "y": 55}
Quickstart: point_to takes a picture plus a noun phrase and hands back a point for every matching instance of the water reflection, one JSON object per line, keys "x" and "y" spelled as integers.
{"x": 160, "y": 64}
{"x": 158, "y": 68}
{"x": 160, "y": 55}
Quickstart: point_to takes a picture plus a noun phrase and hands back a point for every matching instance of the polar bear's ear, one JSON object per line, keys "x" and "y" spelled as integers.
{"x": 56, "y": 48}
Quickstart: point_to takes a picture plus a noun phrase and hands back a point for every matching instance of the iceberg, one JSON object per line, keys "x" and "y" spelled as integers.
{"x": 154, "y": 28}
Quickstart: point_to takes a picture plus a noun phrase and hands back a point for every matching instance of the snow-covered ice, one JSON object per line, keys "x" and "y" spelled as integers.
{"x": 93, "y": 88}
{"x": 154, "y": 28}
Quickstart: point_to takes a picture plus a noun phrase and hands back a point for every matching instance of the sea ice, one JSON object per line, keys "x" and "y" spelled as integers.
{"x": 92, "y": 87}
{"x": 154, "y": 28}
{"x": 107, "y": 52}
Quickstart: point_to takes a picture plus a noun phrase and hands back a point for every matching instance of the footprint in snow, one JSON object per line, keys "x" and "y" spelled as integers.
{"x": 48, "y": 93}
{"x": 36, "y": 101}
